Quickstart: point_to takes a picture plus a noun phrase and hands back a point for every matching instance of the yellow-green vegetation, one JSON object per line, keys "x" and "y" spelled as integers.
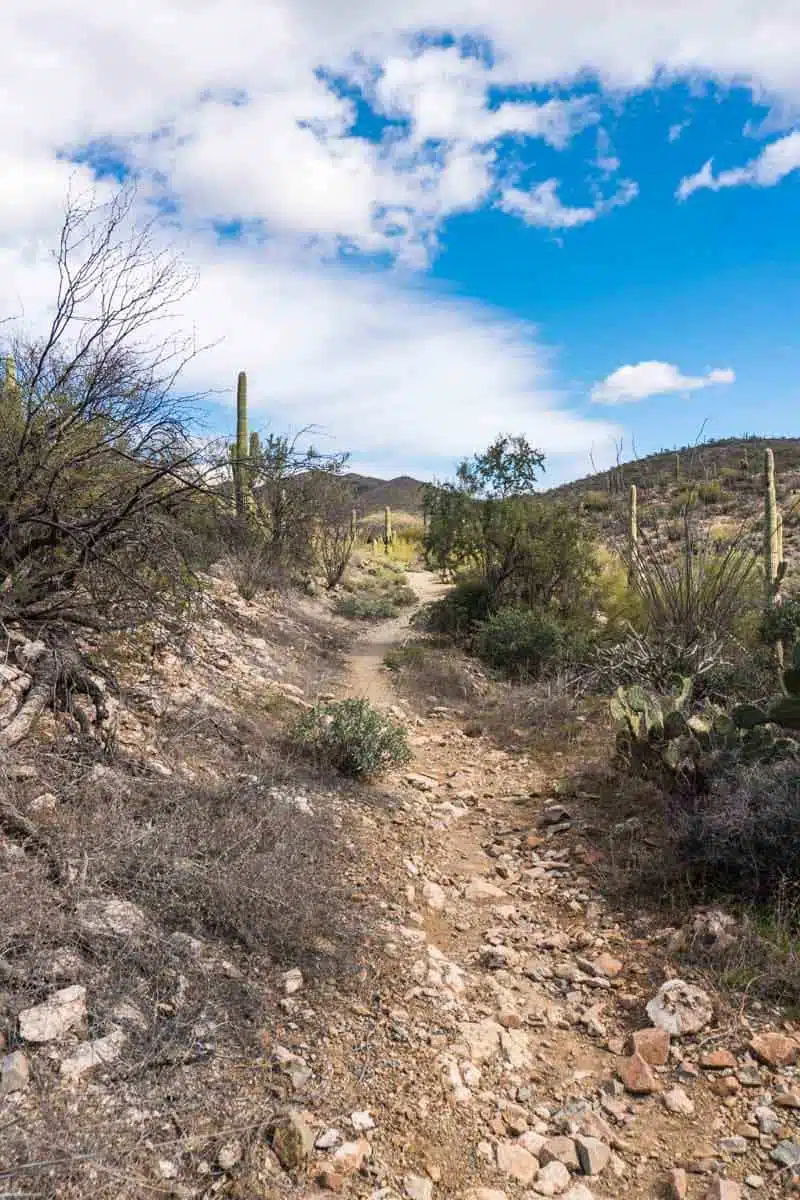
{"x": 378, "y": 591}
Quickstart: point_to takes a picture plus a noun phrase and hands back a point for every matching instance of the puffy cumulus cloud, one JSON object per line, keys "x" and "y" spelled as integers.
{"x": 225, "y": 104}
{"x": 631, "y": 383}
{"x": 542, "y": 206}
{"x": 774, "y": 163}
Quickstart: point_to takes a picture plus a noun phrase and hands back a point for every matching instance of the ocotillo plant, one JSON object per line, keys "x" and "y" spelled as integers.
{"x": 353, "y": 524}
{"x": 388, "y": 536}
{"x": 633, "y": 533}
{"x": 774, "y": 562}
{"x": 240, "y": 473}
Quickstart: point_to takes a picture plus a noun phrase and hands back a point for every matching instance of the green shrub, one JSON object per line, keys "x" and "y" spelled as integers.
{"x": 352, "y": 737}
{"x": 710, "y": 492}
{"x": 521, "y": 642}
{"x": 366, "y": 607}
{"x": 596, "y": 501}
{"x": 457, "y": 614}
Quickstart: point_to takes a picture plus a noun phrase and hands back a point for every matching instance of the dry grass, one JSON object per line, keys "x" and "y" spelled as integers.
{"x": 424, "y": 668}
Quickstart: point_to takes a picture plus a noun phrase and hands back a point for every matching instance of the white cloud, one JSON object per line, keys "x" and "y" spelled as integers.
{"x": 774, "y": 163}
{"x": 676, "y": 130}
{"x": 631, "y": 383}
{"x": 542, "y": 206}
{"x": 395, "y": 370}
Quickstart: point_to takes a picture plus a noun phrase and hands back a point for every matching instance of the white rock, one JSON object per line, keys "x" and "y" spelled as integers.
{"x": 230, "y": 1154}
{"x": 479, "y": 889}
{"x": 418, "y": 1187}
{"x": 676, "y": 1101}
{"x": 14, "y": 1073}
{"x": 328, "y": 1140}
{"x": 552, "y": 1180}
{"x": 48, "y": 1022}
{"x": 362, "y": 1121}
{"x": 90, "y": 1055}
{"x": 113, "y": 917}
{"x": 293, "y": 982}
{"x": 482, "y": 1039}
{"x": 680, "y": 1008}
{"x": 433, "y": 895}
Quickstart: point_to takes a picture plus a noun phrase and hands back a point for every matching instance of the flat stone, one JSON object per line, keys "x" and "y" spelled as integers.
{"x": 47, "y": 1022}
{"x": 774, "y": 1049}
{"x": 724, "y": 1189}
{"x": 482, "y": 1039}
{"x": 606, "y": 966}
{"x": 14, "y": 1073}
{"x": 593, "y": 1155}
{"x": 91, "y": 1055}
{"x": 676, "y": 1101}
{"x": 787, "y": 1154}
{"x": 293, "y": 982}
{"x": 484, "y": 1193}
{"x": 652, "y": 1045}
{"x": 733, "y": 1145}
{"x": 479, "y": 889}
{"x": 579, "y": 1191}
{"x": 560, "y": 1149}
{"x": 680, "y": 1008}
{"x": 552, "y": 1180}
{"x": 637, "y": 1077}
{"x": 516, "y": 1161}
{"x": 112, "y": 918}
{"x": 786, "y": 1100}
{"x": 362, "y": 1122}
{"x": 718, "y": 1060}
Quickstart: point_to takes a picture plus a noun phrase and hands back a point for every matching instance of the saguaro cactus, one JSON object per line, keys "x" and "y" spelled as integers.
{"x": 388, "y": 536}
{"x": 774, "y": 562}
{"x": 678, "y": 467}
{"x": 241, "y": 453}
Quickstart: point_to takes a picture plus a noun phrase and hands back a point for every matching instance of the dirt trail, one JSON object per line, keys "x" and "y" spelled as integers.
{"x": 494, "y": 1055}
{"x": 366, "y": 677}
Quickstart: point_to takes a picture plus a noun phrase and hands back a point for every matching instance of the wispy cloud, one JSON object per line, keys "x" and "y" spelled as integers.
{"x": 774, "y": 163}
{"x": 542, "y": 206}
{"x": 635, "y": 382}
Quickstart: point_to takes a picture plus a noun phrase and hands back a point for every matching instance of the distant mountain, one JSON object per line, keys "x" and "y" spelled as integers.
{"x": 402, "y": 495}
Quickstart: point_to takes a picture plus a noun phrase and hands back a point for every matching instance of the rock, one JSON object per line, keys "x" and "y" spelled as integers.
{"x": 479, "y": 889}
{"x": 754, "y": 1181}
{"x": 330, "y": 1180}
{"x": 552, "y": 1180}
{"x": 229, "y": 1155}
{"x": 532, "y": 1142}
{"x": 90, "y": 1055}
{"x": 362, "y": 1122}
{"x": 787, "y": 1154}
{"x": 293, "y": 982}
{"x": 328, "y": 1140}
{"x": 112, "y": 918}
{"x": 676, "y": 1185}
{"x": 768, "y": 1121}
{"x": 652, "y": 1045}
{"x": 483, "y": 1193}
{"x": 733, "y": 1145}
{"x": 516, "y": 1161}
{"x": 724, "y": 1189}
{"x": 560, "y": 1149}
{"x": 418, "y": 1187}
{"x": 680, "y": 1008}
{"x": 774, "y": 1049}
{"x": 351, "y": 1156}
{"x": 578, "y": 1191}
{"x": 718, "y": 1060}
{"x": 14, "y": 1073}
{"x": 676, "y": 1101}
{"x": 787, "y": 1100}
{"x": 482, "y": 1039}
{"x": 593, "y": 1155}
{"x": 713, "y": 931}
{"x": 65, "y": 1010}
{"x": 554, "y": 814}
{"x": 167, "y": 1169}
{"x": 433, "y": 895}
{"x": 423, "y": 783}
{"x": 293, "y": 1141}
{"x": 606, "y": 966}
{"x": 637, "y": 1076}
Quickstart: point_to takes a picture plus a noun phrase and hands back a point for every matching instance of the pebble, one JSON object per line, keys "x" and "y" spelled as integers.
{"x": 418, "y": 1187}
{"x": 676, "y": 1101}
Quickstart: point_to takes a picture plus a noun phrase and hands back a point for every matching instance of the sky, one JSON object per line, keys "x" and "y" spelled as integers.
{"x": 419, "y": 225}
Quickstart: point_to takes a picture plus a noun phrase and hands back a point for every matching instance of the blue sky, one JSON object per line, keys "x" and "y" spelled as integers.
{"x": 418, "y": 229}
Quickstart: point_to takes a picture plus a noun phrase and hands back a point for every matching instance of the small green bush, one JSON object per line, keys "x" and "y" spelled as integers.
{"x": 370, "y": 607}
{"x": 596, "y": 501}
{"x": 520, "y": 642}
{"x": 459, "y": 612}
{"x": 352, "y": 737}
{"x": 710, "y": 492}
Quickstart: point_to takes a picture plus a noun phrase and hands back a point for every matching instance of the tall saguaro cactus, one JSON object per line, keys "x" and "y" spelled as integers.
{"x": 388, "y": 536}
{"x": 242, "y": 448}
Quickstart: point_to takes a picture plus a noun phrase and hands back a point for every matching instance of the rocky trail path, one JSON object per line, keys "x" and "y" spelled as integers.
{"x": 518, "y": 1043}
